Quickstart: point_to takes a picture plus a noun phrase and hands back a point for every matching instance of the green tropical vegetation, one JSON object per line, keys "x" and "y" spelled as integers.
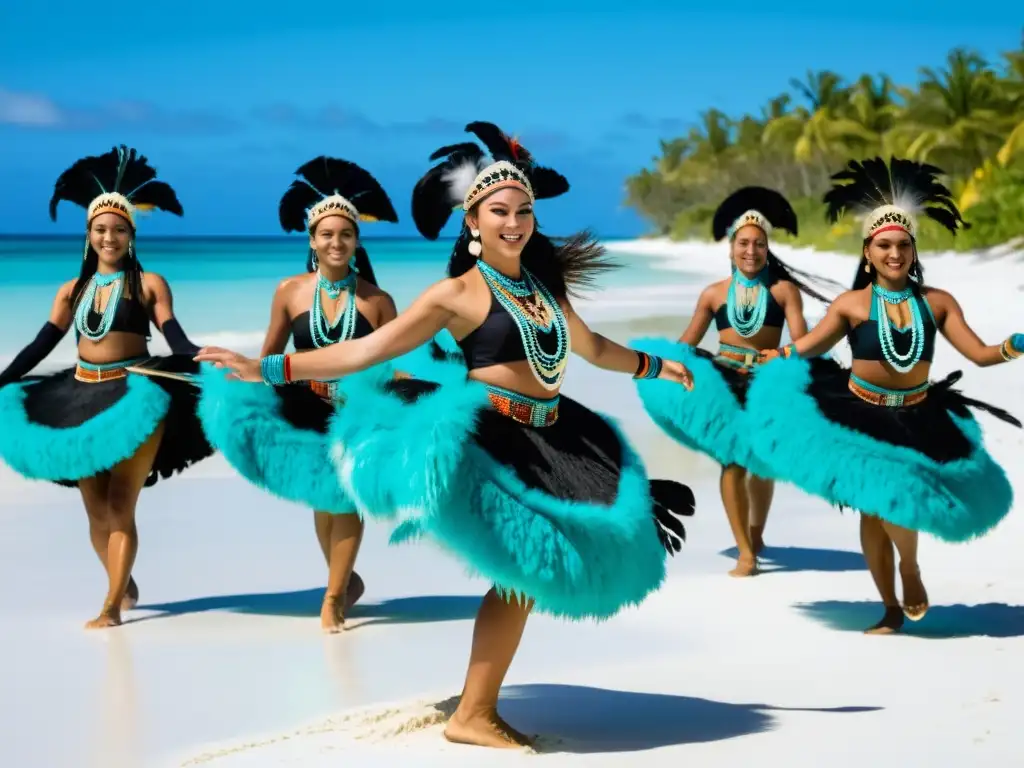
{"x": 966, "y": 117}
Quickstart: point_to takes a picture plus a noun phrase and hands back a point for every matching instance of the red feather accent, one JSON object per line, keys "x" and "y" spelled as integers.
{"x": 513, "y": 146}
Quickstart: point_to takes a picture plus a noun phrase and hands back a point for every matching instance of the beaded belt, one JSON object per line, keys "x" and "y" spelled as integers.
{"x": 93, "y": 373}
{"x": 891, "y": 398}
{"x": 522, "y": 408}
{"x": 730, "y": 355}
{"x": 327, "y": 390}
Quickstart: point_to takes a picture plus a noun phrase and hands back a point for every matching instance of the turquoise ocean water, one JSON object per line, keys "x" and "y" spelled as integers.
{"x": 223, "y": 287}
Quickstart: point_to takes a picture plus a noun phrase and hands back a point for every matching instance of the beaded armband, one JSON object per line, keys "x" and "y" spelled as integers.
{"x": 276, "y": 369}
{"x": 649, "y": 366}
{"x": 1009, "y": 349}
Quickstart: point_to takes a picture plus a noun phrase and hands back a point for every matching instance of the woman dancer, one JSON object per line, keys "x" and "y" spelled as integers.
{"x": 881, "y": 438}
{"x": 749, "y": 309}
{"x": 91, "y": 425}
{"x": 533, "y": 491}
{"x": 277, "y": 438}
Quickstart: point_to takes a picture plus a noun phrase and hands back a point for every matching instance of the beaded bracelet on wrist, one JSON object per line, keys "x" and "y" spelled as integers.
{"x": 1008, "y": 351}
{"x": 648, "y": 367}
{"x": 788, "y": 351}
{"x": 275, "y": 369}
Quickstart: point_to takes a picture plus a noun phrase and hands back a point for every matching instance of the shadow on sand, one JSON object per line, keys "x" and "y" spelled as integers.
{"x": 783, "y": 559}
{"x": 306, "y": 604}
{"x": 941, "y": 622}
{"x": 582, "y": 720}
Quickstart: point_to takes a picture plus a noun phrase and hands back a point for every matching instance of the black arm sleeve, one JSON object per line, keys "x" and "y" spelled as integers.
{"x": 32, "y": 355}
{"x": 177, "y": 340}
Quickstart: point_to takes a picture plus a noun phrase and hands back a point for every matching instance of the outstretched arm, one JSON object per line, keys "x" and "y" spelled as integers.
{"x": 963, "y": 338}
{"x": 701, "y": 320}
{"x": 825, "y": 334}
{"x": 46, "y": 340}
{"x": 163, "y": 316}
{"x": 418, "y": 324}
{"x": 604, "y": 353}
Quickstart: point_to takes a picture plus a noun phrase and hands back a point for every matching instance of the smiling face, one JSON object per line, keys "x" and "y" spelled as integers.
{"x": 109, "y": 236}
{"x": 334, "y": 239}
{"x": 750, "y": 250}
{"x": 891, "y": 253}
{"x": 505, "y": 220}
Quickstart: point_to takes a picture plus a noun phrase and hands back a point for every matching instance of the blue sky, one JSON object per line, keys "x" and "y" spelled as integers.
{"x": 228, "y": 101}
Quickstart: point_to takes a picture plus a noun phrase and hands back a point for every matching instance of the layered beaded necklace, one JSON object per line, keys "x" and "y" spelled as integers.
{"x": 319, "y": 329}
{"x": 746, "y": 314}
{"x": 883, "y": 296}
{"x": 534, "y": 311}
{"x": 88, "y": 301}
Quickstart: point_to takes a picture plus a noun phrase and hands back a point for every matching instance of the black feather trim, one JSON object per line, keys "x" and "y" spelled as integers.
{"x": 324, "y": 176}
{"x": 769, "y": 203}
{"x": 671, "y": 500}
{"x": 864, "y": 186}
{"x": 122, "y": 170}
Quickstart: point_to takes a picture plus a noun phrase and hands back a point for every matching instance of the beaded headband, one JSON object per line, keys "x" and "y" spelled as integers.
{"x": 494, "y": 177}
{"x": 888, "y": 217}
{"x": 111, "y": 202}
{"x": 331, "y": 206}
{"x": 756, "y": 218}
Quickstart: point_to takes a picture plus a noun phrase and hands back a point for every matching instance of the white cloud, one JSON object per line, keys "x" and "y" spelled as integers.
{"x": 21, "y": 108}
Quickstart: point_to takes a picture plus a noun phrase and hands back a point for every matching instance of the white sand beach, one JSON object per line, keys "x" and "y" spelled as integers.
{"x": 223, "y": 663}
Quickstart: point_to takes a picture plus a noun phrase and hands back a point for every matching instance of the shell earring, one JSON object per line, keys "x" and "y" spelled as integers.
{"x": 475, "y": 248}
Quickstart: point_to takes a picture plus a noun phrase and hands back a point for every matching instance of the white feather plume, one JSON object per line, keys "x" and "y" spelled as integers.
{"x": 461, "y": 177}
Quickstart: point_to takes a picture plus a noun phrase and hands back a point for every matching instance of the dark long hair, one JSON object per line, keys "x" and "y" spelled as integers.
{"x": 780, "y": 270}
{"x": 567, "y": 267}
{"x": 361, "y": 260}
{"x": 129, "y": 263}
{"x": 866, "y": 277}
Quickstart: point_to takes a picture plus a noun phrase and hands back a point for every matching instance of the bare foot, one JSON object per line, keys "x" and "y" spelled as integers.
{"x": 131, "y": 596}
{"x": 109, "y": 617}
{"x": 745, "y": 566}
{"x": 485, "y": 730}
{"x": 332, "y": 620}
{"x": 891, "y": 622}
{"x": 355, "y": 590}
{"x": 915, "y": 598}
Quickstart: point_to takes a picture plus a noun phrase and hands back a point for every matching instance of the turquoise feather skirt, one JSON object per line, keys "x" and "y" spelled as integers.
{"x": 277, "y": 437}
{"x": 708, "y": 418}
{"x": 564, "y": 514}
{"x": 62, "y": 430}
{"x": 922, "y": 467}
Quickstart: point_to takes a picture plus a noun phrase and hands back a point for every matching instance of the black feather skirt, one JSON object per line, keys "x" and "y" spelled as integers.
{"x": 63, "y": 430}
{"x": 563, "y": 514}
{"x": 922, "y": 466}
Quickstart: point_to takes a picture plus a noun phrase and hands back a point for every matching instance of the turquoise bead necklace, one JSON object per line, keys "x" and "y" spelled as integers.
{"x": 88, "y": 301}
{"x": 319, "y": 328}
{"x": 883, "y": 296}
{"x": 526, "y": 300}
{"x": 747, "y": 317}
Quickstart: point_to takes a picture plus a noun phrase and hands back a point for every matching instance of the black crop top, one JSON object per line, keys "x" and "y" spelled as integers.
{"x": 774, "y": 316}
{"x": 864, "y": 343}
{"x": 129, "y": 317}
{"x": 497, "y": 340}
{"x": 304, "y": 340}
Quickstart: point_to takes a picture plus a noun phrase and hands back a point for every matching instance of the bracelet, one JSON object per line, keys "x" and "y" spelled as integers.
{"x": 275, "y": 369}
{"x": 788, "y": 351}
{"x": 1009, "y": 350}
{"x": 649, "y": 366}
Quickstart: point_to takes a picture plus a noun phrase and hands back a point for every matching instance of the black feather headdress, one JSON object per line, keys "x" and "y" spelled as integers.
{"x": 333, "y": 186}
{"x": 120, "y": 181}
{"x": 892, "y": 196}
{"x": 760, "y": 206}
{"x": 466, "y": 172}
